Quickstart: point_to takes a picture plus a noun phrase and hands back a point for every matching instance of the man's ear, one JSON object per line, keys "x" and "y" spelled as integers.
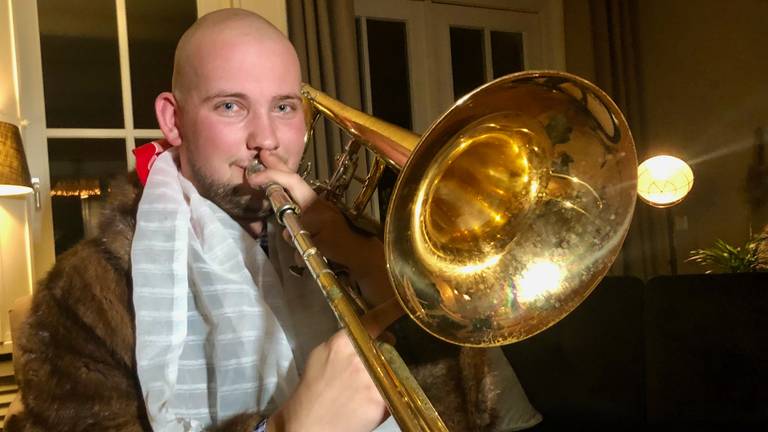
{"x": 166, "y": 109}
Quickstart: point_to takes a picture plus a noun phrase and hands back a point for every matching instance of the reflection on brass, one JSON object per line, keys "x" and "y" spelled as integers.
{"x": 518, "y": 199}
{"x": 506, "y": 214}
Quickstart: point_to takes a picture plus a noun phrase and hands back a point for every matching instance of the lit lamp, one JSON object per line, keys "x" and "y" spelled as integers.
{"x": 663, "y": 181}
{"x": 15, "y": 245}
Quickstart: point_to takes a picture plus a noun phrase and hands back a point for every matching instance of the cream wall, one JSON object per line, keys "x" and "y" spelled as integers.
{"x": 272, "y": 10}
{"x": 703, "y": 77}
{"x": 579, "y": 55}
{"x": 16, "y": 269}
{"x": 704, "y": 80}
{"x": 8, "y": 104}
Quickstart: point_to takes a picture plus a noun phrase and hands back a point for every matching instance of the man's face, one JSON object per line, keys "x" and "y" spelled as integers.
{"x": 242, "y": 99}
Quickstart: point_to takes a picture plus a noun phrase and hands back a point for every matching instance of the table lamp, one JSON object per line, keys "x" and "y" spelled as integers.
{"x": 15, "y": 245}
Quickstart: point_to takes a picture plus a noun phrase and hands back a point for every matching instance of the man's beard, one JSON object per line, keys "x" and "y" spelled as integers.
{"x": 243, "y": 203}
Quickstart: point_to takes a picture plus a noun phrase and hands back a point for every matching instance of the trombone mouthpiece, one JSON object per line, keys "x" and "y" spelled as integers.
{"x": 254, "y": 167}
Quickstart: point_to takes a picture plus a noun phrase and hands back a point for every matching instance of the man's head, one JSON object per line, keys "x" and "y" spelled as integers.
{"x": 236, "y": 85}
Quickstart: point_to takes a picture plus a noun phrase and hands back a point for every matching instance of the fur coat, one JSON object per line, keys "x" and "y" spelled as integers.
{"x": 77, "y": 347}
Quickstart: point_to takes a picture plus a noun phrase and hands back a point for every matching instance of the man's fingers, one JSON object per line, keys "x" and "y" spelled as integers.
{"x": 378, "y": 319}
{"x": 315, "y": 218}
{"x": 296, "y": 187}
{"x": 272, "y": 161}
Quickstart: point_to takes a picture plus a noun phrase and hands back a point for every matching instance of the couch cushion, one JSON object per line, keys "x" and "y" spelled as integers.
{"x": 707, "y": 354}
{"x": 587, "y": 370}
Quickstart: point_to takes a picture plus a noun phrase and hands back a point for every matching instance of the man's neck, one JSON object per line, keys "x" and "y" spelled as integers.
{"x": 256, "y": 229}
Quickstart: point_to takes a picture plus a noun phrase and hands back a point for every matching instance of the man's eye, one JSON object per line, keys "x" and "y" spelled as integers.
{"x": 284, "y": 108}
{"x": 229, "y": 107}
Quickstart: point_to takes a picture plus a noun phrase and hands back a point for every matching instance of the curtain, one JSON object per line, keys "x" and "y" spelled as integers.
{"x": 645, "y": 251}
{"x": 324, "y": 34}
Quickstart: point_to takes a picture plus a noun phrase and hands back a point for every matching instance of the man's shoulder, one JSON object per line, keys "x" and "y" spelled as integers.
{"x": 86, "y": 299}
{"x": 118, "y": 217}
{"x": 91, "y": 261}
{"x": 100, "y": 265}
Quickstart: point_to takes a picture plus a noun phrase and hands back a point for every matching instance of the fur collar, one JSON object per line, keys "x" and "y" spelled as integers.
{"x": 118, "y": 220}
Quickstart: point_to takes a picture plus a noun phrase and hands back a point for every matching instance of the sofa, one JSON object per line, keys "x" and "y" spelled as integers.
{"x": 682, "y": 352}
{"x": 685, "y": 352}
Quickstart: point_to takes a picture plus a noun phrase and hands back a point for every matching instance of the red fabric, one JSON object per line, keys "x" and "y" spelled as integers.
{"x": 146, "y": 155}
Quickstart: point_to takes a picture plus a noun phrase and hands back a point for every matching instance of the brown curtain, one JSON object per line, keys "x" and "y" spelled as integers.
{"x": 324, "y": 34}
{"x": 645, "y": 251}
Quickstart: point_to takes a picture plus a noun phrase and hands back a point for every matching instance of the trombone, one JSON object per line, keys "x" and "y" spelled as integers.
{"x": 506, "y": 214}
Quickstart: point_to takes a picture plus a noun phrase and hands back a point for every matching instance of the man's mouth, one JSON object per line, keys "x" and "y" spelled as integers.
{"x": 253, "y": 167}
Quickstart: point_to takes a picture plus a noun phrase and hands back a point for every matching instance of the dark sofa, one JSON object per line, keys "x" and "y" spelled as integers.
{"x": 685, "y": 352}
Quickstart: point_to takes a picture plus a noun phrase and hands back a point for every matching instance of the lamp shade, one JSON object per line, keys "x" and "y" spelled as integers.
{"x": 14, "y": 172}
{"x": 663, "y": 181}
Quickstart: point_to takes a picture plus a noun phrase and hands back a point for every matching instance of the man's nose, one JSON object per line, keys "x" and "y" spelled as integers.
{"x": 262, "y": 134}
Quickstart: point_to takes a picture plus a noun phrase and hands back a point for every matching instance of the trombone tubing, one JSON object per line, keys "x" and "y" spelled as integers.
{"x": 400, "y": 405}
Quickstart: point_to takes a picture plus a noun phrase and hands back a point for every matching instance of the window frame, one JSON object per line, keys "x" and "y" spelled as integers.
{"x": 31, "y": 111}
{"x": 429, "y": 64}
{"x": 429, "y": 52}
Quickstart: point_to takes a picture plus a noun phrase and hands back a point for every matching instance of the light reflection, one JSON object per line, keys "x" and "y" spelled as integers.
{"x": 534, "y": 186}
{"x": 539, "y": 279}
{"x": 477, "y": 267}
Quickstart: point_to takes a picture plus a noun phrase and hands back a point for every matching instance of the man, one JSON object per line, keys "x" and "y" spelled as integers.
{"x": 173, "y": 318}
{"x": 235, "y": 100}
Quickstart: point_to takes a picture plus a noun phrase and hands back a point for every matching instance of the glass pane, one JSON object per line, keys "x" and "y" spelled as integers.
{"x": 506, "y": 53}
{"x": 467, "y": 60}
{"x": 390, "y": 86}
{"x": 154, "y": 28}
{"x": 390, "y": 81}
{"x": 80, "y": 170}
{"x": 81, "y": 72}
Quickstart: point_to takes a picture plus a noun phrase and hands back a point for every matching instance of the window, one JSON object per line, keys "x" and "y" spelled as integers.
{"x": 417, "y": 58}
{"x": 103, "y": 63}
{"x": 131, "y": 43}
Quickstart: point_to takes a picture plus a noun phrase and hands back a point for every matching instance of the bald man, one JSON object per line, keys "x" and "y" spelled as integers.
{"x": 174, "y": 318}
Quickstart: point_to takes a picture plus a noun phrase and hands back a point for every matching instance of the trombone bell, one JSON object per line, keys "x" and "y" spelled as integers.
{"x": 511, "y": 208}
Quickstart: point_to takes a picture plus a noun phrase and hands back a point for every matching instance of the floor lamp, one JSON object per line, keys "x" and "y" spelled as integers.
{"x": 662, "y": 182}
{"x": 15, "y": 244}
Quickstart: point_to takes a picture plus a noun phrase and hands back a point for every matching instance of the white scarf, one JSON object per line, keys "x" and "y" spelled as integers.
{"x": 218, "y": 331}
{"x": 212, "y": 335}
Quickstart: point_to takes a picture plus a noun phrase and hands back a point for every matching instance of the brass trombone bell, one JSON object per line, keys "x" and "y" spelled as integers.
{"x": 508, "y": 210}
{"x": 511, "y": 208}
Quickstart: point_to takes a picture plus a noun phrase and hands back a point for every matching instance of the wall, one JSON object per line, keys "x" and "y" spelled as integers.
{"x": 579, "y": 55}
{"x": 273, "y": 10}
{"x": 704, "y": 80}
{"x": 15, "y": 258}
{"x": 703, "y": 77}
{"x": 8, "y": 106}
{"x": 15, "y": 242}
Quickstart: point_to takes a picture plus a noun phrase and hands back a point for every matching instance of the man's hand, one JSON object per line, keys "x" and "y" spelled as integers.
{"x": 362, "y": 255}
{"x": 336, "y": 393}
{"x": 278, "y": 172}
